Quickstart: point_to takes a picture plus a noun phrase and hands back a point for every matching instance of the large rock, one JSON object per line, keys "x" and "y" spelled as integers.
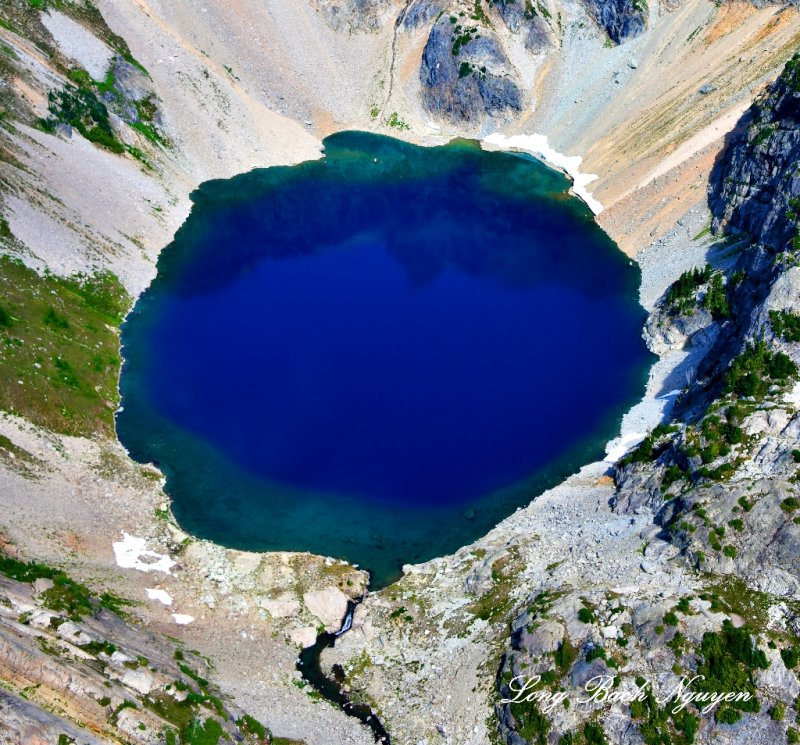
{"x": 305, "y": 636}
{"x": 139, "y": 680}
{"x": 621, "y": 19}
{"x": 782, "y": 683}
{"x": 74, "y": 634}
{"x": 585, "y": 671}
{"x": 130, "y": 82}
{"x": 23, "y": 722}
{"x": 281, "y": 607}
{"x": 530, "y": 21}
{"x": 420, "y": 12}
{"x": 330, "y": 606}
{"x": 466, "y": 82}
{"x": 544, "y": 639}
{"x": 755, "y": 181}
{"x": 665, "y": 332}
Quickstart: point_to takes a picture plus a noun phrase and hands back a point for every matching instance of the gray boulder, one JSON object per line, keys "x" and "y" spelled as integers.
{"x": 468, "y": 80}
{"x": 529, "y": 20}
{"x": 621, "y": 19}
{"x": 584, "y": 671}
{"x": 420, "y": 12}
{"x": 544, "y": 639}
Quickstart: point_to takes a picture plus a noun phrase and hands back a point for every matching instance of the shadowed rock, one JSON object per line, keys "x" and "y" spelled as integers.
{"x": 756, "y": 182}
{"x": 420, "y": 12}
{"x": 621, "y": 19}
{"x": 528, "y": 20}
{"x": 469, "y": 80}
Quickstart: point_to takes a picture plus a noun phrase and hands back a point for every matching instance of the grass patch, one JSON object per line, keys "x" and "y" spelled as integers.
{"x": 59, "y": 350}
{"x": 730, "y": 594}
{"x": 197, "y": 733}
{"x": 18, "y": 459}
{"x": 251, "y": 726}
{"x": 66, "y": 595}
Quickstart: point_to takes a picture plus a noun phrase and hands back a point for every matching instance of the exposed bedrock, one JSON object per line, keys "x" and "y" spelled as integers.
{"x": 620, "y": 19}
{"x": 421, "y": 12}
{"x": 529, "y": 20}
{"x": 354, "y": 15}
{"x": 755, "y": 186}
{"x": 466, "y": 75}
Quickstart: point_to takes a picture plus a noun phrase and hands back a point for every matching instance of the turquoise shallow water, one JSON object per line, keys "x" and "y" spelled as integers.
{"x": 381, "y": 354}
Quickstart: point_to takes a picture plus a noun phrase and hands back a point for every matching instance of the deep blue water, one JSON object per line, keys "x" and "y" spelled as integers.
{"x": 381, "y": 354}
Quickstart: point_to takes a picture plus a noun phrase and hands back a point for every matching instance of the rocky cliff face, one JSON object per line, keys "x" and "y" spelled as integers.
{"x": 532, "y": 22}
{"x": 756, "y": 183}
{"x": 465, "y": 73}
{"x": 720, "y": 482}
{"x": 421, "y": 12}
{"x": 621, "y": 19}
{"x": 76, "y": 671}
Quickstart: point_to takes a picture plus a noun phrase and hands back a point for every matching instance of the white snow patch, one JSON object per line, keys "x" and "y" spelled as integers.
{"x": 570, "y": 164}
{"x": 132, "y": 553}
{"x": 617, "y": 448}
{"x": 181, "y": 619}
{"x": 161, "y": 595}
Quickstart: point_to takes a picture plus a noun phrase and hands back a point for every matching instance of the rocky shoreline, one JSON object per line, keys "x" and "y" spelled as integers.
{"x": 567, "y": 536}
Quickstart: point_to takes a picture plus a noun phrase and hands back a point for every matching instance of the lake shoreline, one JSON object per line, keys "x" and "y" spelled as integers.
{"x": 217, "y": 586}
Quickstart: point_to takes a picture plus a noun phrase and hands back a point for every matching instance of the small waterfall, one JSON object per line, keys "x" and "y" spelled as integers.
{"x": 331, "y": 688}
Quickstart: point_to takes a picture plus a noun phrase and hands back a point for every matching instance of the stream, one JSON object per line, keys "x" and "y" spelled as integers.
{"x": 331, "y": 689}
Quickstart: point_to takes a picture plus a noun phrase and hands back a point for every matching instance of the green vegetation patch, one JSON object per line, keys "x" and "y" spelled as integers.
{"x": 756, "y": 369}
{"x": 198, "y": 733}
{"x": 660, "y": 725}
{"x": 730, "y": 594}
{"x": 651, "y": 447}
{"x": 681, "y": 296}
{"x": 728, "y": 661}
{"x": 396, "y": 122}
{"x": 59, "y": 350}
{"x": 18, "y": 459}
{"x": 66, "y": 594}
{"x": 251, "y": 726}
{"x": 785, "y": 324}
{"x": 716, "y": 298}
{"x": 566, "y": 654}
{"x": 82, "y": 110}
{"x": 717, "y": 436}
{"x": 532, "y": 725}
{"x": 791, "y": 73}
